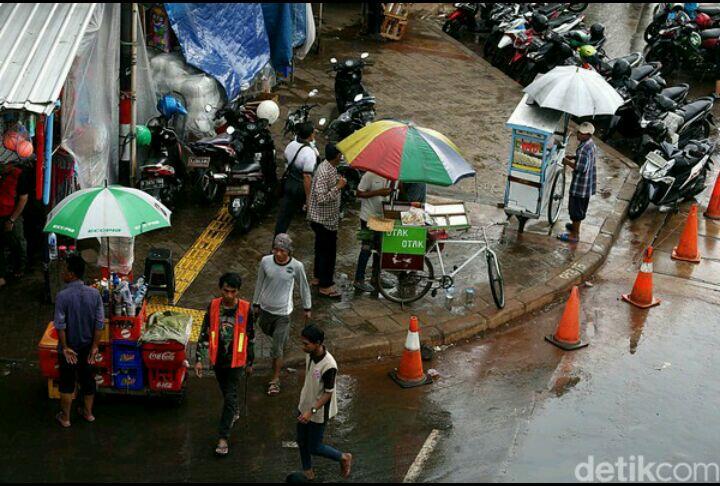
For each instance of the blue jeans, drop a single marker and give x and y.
(309, 440)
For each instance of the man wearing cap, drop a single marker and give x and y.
(273, 299)
(324, 216)
(584, 181)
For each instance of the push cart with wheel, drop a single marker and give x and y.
(535, 185)
(407, 272)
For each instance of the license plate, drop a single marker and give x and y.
(238, 190)
(152, 184)
(199, 162)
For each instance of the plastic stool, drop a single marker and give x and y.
(160, 273)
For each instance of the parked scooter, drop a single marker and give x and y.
(462, 19)
(300, 116)
(358, 114)
(162, 177)
(670, 175)
(348, 80)
(676, 124)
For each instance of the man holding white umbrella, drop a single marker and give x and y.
(584, 181)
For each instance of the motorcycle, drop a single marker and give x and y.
(683, 47)
(664, 17)
(641, 103)
(300, 115)
(670, 175)
(163, 177)
(358, 114)
(348, 80)
(677, 125)
(462, 19)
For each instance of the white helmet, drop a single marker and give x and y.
(268, 110)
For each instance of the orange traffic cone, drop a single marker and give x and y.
(687, 249)
(410, 373)
(713, 209)
(567, 334)
(642, 292)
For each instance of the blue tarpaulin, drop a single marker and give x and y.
(279, 28)
(226, 40)
(299, 18)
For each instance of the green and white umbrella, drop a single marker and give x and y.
(102, 212)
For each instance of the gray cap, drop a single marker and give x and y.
(283, 242)
(586, 128)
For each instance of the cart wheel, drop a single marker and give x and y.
(407, 286)
(497, 284)
(557, 194)
(521, 223)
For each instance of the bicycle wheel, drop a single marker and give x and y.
(403, 287)
(497, 284)
(557, 193)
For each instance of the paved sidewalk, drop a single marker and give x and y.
(438, 83)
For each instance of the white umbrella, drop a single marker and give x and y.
(574, 90)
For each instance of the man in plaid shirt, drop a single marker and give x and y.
(324, 216)
(584, 181)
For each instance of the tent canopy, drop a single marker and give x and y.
(40, 41)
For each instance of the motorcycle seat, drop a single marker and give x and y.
(563, 19)
(675, 92)
(221, 139)
(710, 34)
(247, 169)
(642, 72)
(711, 11)
(692, 109)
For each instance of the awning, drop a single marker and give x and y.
(39, 43)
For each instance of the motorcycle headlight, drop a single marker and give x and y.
(533, 55)
(345, 117)
(695, 39)
(258, 157)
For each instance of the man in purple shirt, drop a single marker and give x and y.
(79, 318)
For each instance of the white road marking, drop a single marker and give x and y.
(427, 449)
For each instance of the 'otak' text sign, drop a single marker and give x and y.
(405, 241)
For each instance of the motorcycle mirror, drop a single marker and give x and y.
(312, 93)
(364, 55)
(322, 122)
(208, 108)
(358, 97)
(333, 60)
(230, 130)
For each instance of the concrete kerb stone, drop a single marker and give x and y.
(355, 349)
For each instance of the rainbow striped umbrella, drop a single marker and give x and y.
(407, 153)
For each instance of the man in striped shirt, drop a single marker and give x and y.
(584, 181)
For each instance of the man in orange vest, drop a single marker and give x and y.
(226, 340)
(14, 189)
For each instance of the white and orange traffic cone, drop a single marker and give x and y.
(642, 292)
(687, 249)
(410, 373)
(567, 335)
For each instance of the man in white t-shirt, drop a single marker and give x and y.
(302, 157)
(371, 191)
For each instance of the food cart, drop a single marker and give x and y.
(536, 176)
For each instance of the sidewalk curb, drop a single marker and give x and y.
(532, 300)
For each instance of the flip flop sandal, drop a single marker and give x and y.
(333, 295)
(567, 238)
(345, 471)
(222, 451)
(64, 424)
(87, 418)
(273, 389)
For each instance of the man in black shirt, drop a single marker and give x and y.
(14, 190)
(226, 340)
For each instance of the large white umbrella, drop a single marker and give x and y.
(575, 90)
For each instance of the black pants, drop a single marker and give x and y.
(14, 240)
(325, 254)
(292, 202)
(81, 373)
(365, 251)
(229, 381)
